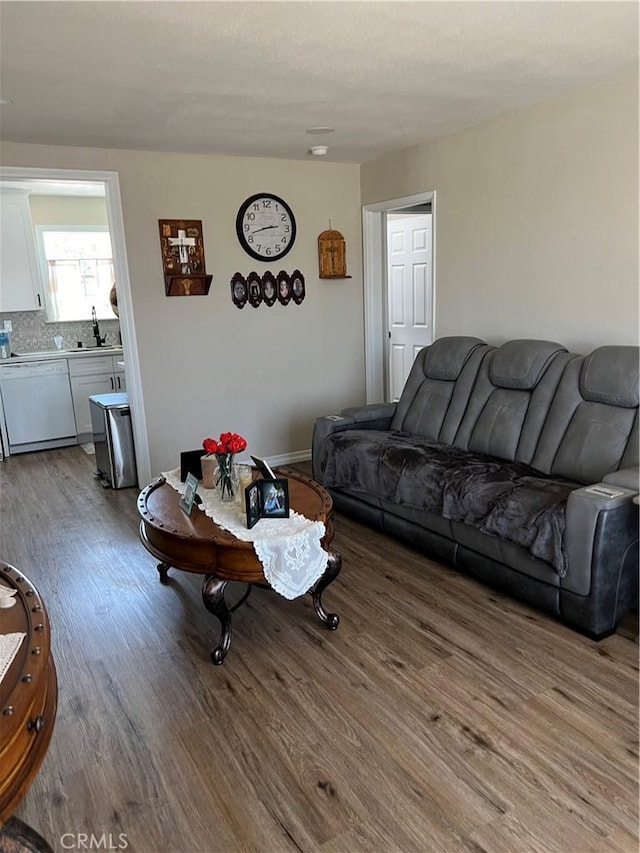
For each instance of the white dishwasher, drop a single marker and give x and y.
(37, 403)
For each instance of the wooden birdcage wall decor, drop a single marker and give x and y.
(183, 261)
(332, 255)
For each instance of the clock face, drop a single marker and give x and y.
(266, 227)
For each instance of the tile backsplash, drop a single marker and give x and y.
(32, 333)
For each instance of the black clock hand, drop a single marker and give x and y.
(265, 228)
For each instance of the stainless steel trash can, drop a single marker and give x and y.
(113, 440)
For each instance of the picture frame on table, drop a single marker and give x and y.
(274, 498)
(264, 468)
(252, 504)
(189, 496)
(191, 463)
(266, 499)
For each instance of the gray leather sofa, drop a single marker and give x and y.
(517, 464)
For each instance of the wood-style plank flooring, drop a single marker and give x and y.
(440, 716)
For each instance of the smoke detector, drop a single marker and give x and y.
(319, 150)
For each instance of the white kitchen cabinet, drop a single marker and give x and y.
(91, 375)
(19, 273)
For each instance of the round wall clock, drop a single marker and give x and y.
(266, 227)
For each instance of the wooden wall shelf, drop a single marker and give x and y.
(332, 255)
(187, 285)
(183, 264)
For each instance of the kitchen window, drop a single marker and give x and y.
(77, 267)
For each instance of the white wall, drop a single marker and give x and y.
(536, 227)
(207, 366)
(536, 235)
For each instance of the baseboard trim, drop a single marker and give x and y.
(288, 458)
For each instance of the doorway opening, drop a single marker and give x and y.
(399, 289)
(72, 182)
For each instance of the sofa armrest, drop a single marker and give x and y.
(378, 414)
(627, 477)
(601, 525)
(374, 416)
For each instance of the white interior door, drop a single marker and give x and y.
(409, 294)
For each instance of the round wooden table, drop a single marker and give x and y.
(197, 544)
(28, 704)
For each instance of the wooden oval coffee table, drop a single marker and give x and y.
(197, 544)
(28, 704)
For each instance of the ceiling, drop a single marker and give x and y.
(249, 78)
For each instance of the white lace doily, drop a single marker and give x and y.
(9, 645)
(289, 548)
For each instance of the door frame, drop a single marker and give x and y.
(374, 242)
(125, 303)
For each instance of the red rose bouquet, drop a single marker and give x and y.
(224, 449)
(229, 442)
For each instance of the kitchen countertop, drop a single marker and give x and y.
(49, 355)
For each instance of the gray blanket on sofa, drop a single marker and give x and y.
(505, 499)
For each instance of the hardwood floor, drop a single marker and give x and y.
(440, 716)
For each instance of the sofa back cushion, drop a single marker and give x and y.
(435, 395)
(592, 426)
(511, 398)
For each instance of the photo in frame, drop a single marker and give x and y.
(187, 500)
(239, 292)
(284, 287)
(269, 289)
(266, 499)
(252, 504)
(254, 287)
(298, 291)
(274, 498)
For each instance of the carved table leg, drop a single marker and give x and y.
(213, 598)
(334, 564)
(163, 569)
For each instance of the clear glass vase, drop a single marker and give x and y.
(227, 480)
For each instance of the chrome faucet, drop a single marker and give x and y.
(96, 328)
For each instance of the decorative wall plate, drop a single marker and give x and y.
(284, 287)
(239, 290)
(298, 291)
(254, 287)
(269, 289)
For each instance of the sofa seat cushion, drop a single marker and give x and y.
(506, 499)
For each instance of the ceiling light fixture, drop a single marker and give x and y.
(319, 130)
(319, 150)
